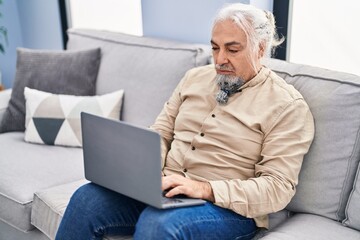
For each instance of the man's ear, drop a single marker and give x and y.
(261, 49)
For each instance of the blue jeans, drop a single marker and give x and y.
(94, 212)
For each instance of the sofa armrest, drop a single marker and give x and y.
(4, 101)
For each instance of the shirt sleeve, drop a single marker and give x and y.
(276, 175)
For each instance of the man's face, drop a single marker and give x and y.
(230, 50)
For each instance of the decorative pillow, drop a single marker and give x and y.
(60, 72)
(55, 119)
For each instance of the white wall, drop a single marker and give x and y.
(184, 20)
(263, 4)
(113, 15)
(326, 33)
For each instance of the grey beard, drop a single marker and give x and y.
(228, 86)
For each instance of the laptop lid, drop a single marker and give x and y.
(123, 158)
(126, 159)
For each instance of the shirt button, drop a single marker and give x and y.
(185, 170)
(202, 134)
(213, 115)
(193, 148)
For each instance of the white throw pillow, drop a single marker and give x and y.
(54, 119)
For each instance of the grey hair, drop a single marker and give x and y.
(258, 25)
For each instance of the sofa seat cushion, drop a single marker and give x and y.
(50, 204)
(8, 232)
(28, 168)
(311, 227)
(49, 207)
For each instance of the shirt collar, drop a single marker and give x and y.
(260, 77)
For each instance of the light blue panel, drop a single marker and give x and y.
(184, 20)
(31, 24)
(40, 23)
(10, 20)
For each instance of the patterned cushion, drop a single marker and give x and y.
(55, 119)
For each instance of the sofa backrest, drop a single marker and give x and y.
(136, 64)
(329, 169)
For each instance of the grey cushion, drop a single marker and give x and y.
(329, 169)
(7, 232)
(23, 174)
(50, 204)
(311, 227)
(4, 101)
(275, 219)
(353, 208)
(60, 72)
(49, 208)
(147, 69)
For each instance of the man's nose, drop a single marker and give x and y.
(221, 58)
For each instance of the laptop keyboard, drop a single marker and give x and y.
(166, 200)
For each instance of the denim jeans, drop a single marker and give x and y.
(94, 212)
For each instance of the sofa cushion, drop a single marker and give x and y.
(54, 119)
(61, 72)
(50, 205)
(8, 232)
(329, 168)
(4, 101)
(276, 218)
(353, 207)
(147, 69)
(23, 174)
(311, 227)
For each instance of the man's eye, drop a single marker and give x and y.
(233, 51)
(215, 48)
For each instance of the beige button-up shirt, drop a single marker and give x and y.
(250, 150)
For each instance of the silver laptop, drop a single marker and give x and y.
(126, 159)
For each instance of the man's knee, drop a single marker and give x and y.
(156, 224)
(83, 193)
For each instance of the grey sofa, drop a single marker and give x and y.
(36, 181)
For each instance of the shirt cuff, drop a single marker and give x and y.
(221, 193)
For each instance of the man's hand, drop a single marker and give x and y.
(176, 184)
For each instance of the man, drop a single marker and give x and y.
(234, 135)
